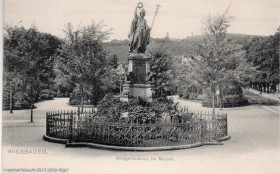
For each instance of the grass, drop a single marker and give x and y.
(257, 99)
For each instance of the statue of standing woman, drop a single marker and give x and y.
(139, 35)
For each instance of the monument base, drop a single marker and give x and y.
(137, 84)
(132, 91)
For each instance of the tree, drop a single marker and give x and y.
(263, 52)
(83, 60)
(63, 85)
(217, 61)
(186, 86)
(28, 60)
(161, 71)
(110, 80)
(113, 61)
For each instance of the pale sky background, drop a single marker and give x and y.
(180, 18)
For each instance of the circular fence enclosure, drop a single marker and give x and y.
(188, 130)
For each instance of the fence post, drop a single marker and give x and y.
(71, 126)
(60, 122)
(47, 125)
(226, 125)
(56, 125)
(78, 111)
(64, 125)
(201, 127)
(215, 125)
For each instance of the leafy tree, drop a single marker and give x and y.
(217, 61)
(263, 52)
(28, 60)
(63, 85)
(113, 61)
(161, 71)
(110, 80)
(186, 86)
(83, 60)
(113, 77)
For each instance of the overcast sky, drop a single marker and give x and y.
(180, 18)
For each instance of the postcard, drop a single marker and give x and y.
(140, 87)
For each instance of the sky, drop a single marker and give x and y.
(178, 18)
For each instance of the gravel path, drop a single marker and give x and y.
(253, 148)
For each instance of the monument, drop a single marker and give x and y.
(139, 61)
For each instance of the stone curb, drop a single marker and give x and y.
(225, 138)
(101, 146)
(107, 147)
(55, 140)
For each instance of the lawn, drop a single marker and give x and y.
(257, 99)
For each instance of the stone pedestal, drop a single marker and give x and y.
(138, 66)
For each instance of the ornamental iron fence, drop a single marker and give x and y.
(185, 128)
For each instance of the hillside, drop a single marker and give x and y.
(176, 47)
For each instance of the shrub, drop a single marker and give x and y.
(190, 91)
(74, 102)
(75, 98)
(200, 97)
(46, 94)
(193, 96)
(59, 93)
(232, 95)
(139, 111)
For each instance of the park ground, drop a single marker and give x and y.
(252, 149)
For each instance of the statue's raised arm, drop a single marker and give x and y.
(139, 35)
